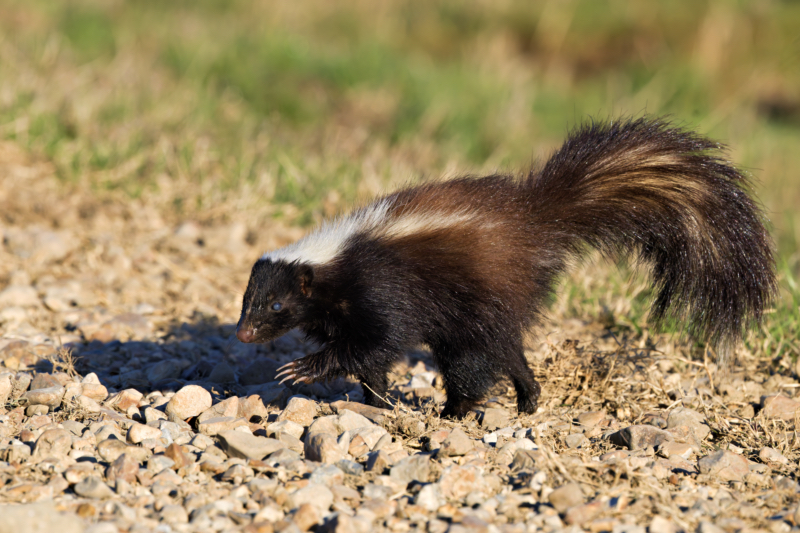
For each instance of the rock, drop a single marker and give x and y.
(314, 494)
(93, 487)
(494, 418)
(708, 527)
(725, 465)
(566, 496)
(378, 416)
(190, 401)
(124, 400)
(228, 407)
(506, 454)
(350, 467)
(458, 481)
(178, 455)
(299, 410)
(215, 426)
(371, 435)
(575, 440)
(640, 437)
(6, 386)
(123, 468)
(164, 370)
(306, 516)
(222, 373)
(779, 407)
(139, 432)
(676, 449)
(525, 460)
(110, 449)
(683, 416)
(580, 514)
(349, 420)
(323, 447)
(591, 419)
(771, 455)
(328, 475)
(252, 406)
(20, 296)
(378, 461)
(414, 468)
(429, 497)
(174, 514)
(50, 396)
(38, 518)
(261, 371)
(659, 524)
(285, 426)
(245, 446)
(456, 444)
(52, 443)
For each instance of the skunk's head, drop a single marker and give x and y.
(276, 300)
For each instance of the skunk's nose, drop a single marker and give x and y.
(245, 334)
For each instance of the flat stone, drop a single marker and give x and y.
(779, 407)
(38, 518)
(323, 447)
(566, 496)
(261, 371)
(307, 516)
(494, 418)
(771, 455)
(725, 465)
(456, 444)
(285, 426)
(659, 524)
(123, 468)
(458, 481)
(215, 426)
(377, 415)
(430, 497)
(6, 386)
(378, 461)
(591, 419)
(52, 443)
(20, 296)
(50, 396)
(580, 514)
(349, 420)
(252, 406)
(328, 475)
(576, 440)
(125, 399)
(139, 432)
(190, 401)
(222, 373)
(640, 437)
(228, 407)
(174, 514)
(93, 487)
(110, 449)
(683, 416)
(414, 468)
(245, 446)
(299, 410)
(676, 449)
(314, 494)
(178, 455)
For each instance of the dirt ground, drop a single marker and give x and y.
(101, 296)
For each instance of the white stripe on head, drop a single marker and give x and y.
(324, 244)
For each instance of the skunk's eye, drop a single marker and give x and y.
(276, 306)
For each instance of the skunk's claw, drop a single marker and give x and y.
(294, 370)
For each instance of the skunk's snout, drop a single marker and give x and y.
(245, 334)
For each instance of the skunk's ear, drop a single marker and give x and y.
(305, 275)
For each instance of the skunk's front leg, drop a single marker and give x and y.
(319, 366)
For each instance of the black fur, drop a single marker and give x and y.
(470, 291)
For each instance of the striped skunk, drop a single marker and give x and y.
(466, 266)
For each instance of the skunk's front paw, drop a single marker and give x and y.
(299, 370)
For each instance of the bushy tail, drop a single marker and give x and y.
(665, 195)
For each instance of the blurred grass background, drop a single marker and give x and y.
(218, 109)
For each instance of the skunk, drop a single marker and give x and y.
(466, 266)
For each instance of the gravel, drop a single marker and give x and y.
(127, 404)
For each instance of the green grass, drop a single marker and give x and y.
(297, 109)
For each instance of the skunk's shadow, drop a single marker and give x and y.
(203, 352)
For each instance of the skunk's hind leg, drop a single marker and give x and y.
(528, 389)
(468, 375)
